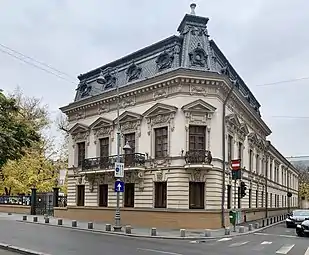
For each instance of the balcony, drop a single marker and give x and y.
(197, 157)
(130, 160)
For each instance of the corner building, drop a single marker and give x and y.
(171, 96)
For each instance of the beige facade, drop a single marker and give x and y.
(167, 163)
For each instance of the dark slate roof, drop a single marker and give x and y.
(191, 49)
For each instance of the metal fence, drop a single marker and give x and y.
(15, 200)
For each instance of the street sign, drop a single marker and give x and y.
(235, 163)
(119, 170)
(119, 186)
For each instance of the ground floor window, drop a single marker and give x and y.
(229, 196)
(250, 197)
(160, 194)
(196, 195)
(80, 200)
(256, 198)
(103, 195)
(239, 197)
(129, 195)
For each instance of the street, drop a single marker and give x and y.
(58, 241)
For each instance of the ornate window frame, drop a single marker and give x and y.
(130, 122)
(160, 115)
(102, 128)
(198, 113)
(79, 133)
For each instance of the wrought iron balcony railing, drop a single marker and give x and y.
(129, 160)
(198, 157)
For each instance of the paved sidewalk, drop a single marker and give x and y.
(143, 232)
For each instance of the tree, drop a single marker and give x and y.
(303, 181)
(32, 170)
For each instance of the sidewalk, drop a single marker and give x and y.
(100, 227)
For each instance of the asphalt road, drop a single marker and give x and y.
(274, 240)
(7, 253)
(59, 241)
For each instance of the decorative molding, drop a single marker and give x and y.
(102, 127)
(157, 163)
(133, 72)
(165, 60)
(130, 122)
(127, 102)
(199, 90)
(235, 127)
(80, 115)
(198, 57)
(103, 108)
(84, 89)
(110, 79)
(130, 176)
(159, 176)
(80, 133)
(160, 93)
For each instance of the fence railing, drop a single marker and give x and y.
(15, 200)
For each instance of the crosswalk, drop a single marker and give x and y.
(288, 247)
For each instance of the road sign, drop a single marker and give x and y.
(119, 186)
(235, 163)
(119, 170)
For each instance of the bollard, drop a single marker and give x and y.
(241, 229)
(108, 227)
(227, 231)
(9, 213)
(250, 227)
(35, 219)
(153, 232)
(90, 225)
(60, 222)
(256, 225)
(182, 232)
(74, 223)
(46, 220)
(267, 222)
(24, 217)
(263, 223)
(128, 229)
(207, 233)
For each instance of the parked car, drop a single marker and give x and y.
(303, 228)
(296, 217)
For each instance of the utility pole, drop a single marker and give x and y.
(235, 197)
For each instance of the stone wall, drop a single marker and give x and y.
(15, 209)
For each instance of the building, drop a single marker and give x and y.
(171, 97)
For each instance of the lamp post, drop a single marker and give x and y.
(102, 80)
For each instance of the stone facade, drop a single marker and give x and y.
(170, 110)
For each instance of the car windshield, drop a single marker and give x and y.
(301, 213)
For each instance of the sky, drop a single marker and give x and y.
(265, 41)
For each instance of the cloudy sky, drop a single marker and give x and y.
(266, 41)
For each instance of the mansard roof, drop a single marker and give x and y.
(191, 49)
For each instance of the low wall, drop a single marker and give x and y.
(188, 219)
(15, 209)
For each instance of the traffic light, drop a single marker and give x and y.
(243, 188)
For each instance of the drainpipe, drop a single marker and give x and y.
(223, 152)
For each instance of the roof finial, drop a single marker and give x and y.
(192, 6)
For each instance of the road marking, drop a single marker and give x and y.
(266, 242)
(224, 239)
(238, 244)
(266, 234)
(194, 241)
(157, 251)
(285, 249)
(307, 251)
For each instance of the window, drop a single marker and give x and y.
(129, 195)
(160, 194)
(250, 197)
(262, 196)
(250, 160)
(229, 148)
(275, 200)
(229, 196)
(81, 152)
(240, 148)
(103, 195)
(196, 195)
(257, 163)
(197, 138)
(271, 170)
(256, 198)
(161, 142)
(80, 195)
(271, 200)
(130, 138)
(104, 147)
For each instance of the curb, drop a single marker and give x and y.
(102, 232)
(9, 247)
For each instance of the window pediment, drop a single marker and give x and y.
(101, 122)
(234, 120)
(128, 116)
(159, 109)
(78, 128)
(244, 129)
(253, 139)
(199, 106)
